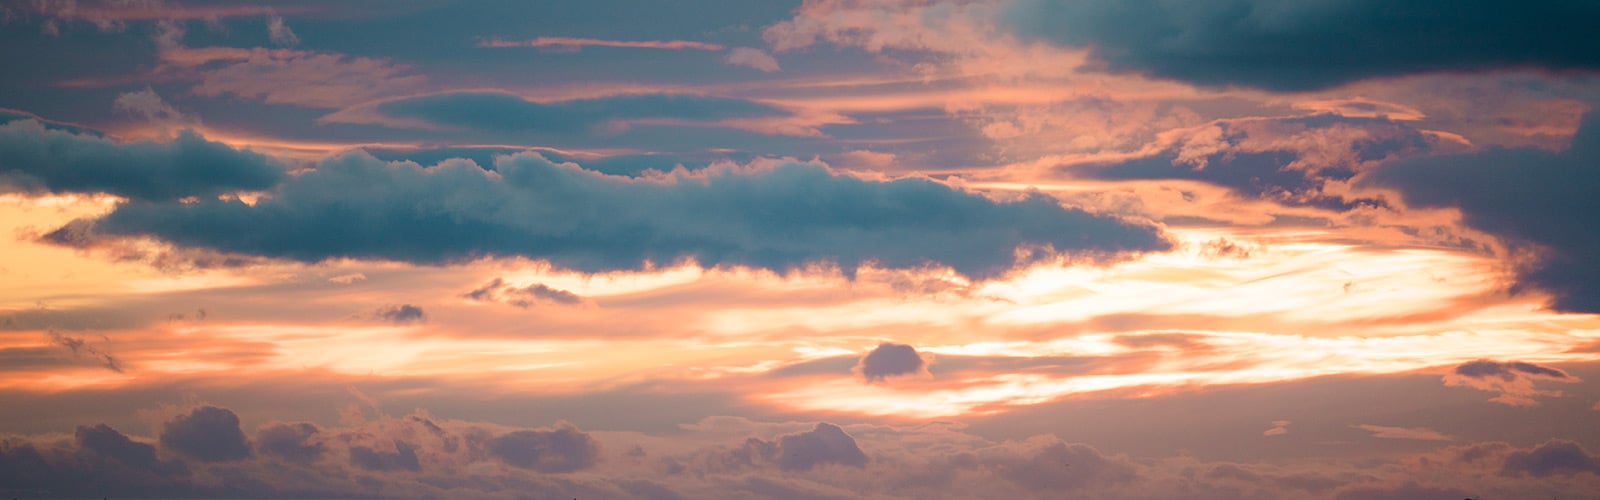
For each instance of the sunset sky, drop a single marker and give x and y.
(1120, 249)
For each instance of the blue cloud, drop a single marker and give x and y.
(1279, 45)
(36, 158)
(778, 218)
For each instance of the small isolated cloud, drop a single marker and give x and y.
(1279, 428)
(279, 33)
(1555, 457)
(561, 449)
(207, 434)
(575, 44)
(1514, 380)
(345, 279)
(1416, 433)
(751, 58)
(150, 106)
(497, 290)
(891, 360)
(401, 314)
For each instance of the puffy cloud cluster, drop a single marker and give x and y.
(497, 290)
(778, 217)
(35, 158)
(890, 359)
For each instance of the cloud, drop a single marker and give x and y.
(297, 442)
(561, 449)
(207, 434)
(569, 43)
(1537, 201)
(824, 444)
(778, 217)
(1514, 380)
(1297, 161)
(293, 77)
(889, 360)
(345, 279)
(1311, 45)
(1551, 458)
(1415, 433)
(34, 158)
(497, 290)
(81, 347)
(494, 111)
(1045, 464)
(404, 457)
(105, 441)
(752, 58)
(401, 314)
(1279, 428)
(280, 33)
(149, 105)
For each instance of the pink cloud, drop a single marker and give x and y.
(571, 43)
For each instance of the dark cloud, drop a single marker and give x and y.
(105, 441)
(890, 359)
(207, 434)
(1536, 200)
(401, 314)
(404, 457)
(1051, 465)
(1514, 380)
(297, 442)
(496, 290)
(1550, 458)
(1408, 491)
(562, 449)
(1506, 371)
(81, 348)
(505, 112)
(1310, 45)
(778, 218)
(824, 444)
(35, 158)
(1289, 161)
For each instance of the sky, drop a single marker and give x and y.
(1116, 249)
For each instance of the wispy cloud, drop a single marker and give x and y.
(571, 43)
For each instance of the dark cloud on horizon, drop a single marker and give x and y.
(1294, 46)
(1551, 458)
(207, 434)
(779, 218)
(35, 158)
(1514, 380)
(823, 444)
(561, 449)
(889, 360)
(403, 457)
(294, 442)
(495, 111)
(1537, 201)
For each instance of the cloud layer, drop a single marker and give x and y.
(781, 217)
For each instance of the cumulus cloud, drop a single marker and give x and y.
(296, 442)
(207, 434)
(35, 158)
(1310, 45)
(401, 314)
(824, 444)
(494, 111)
(561, 449)
(889, 360)
(402, 456)
(1538, 201)
(1551, 458)
(751, 58)
(150, 106)
(1514, 380)
(779, 217)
